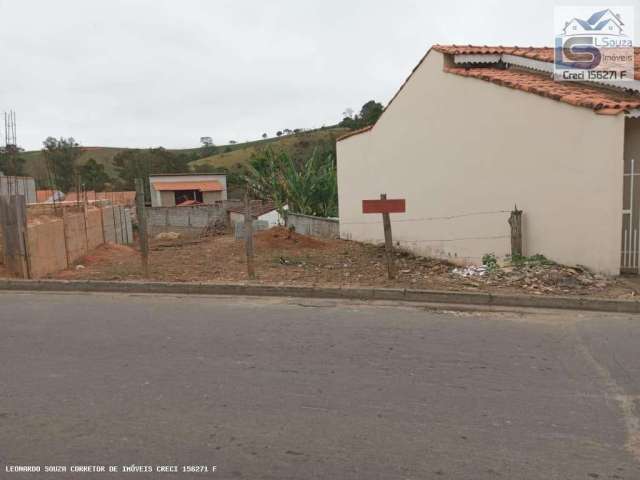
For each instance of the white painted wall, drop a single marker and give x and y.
(453, 145)
(273, 218)
(156, 199)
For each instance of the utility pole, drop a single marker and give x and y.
(142, 226)
(248, 236)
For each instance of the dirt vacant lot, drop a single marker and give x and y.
(284, 257)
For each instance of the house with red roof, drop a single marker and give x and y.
(474, 131)
(187, 189)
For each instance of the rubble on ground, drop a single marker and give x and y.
(167, 236)
(471, 271)
(538, 275)
(218, 227)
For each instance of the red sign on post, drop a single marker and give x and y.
(393, 205)
(385, 207)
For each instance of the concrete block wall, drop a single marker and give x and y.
(19, 185)
(108, 225)
(238, 228)
(117, 225)
(314, 226)
(188, 221)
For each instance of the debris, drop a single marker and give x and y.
(167, 236)
(471, 271)
(215, 227)
(80, 267)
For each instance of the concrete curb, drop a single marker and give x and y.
(363, 293)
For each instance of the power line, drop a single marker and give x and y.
(495, 237)
(428, 219)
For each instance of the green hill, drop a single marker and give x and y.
(34, 160)
(298, 144)
(228, 156)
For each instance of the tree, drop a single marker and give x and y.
(232, 142)
(369, 114)
(279, 133)
(94, 176)
(308, 186)
(132, 164)
(264, 135)
(208, 148)
(60, 157)
(11, 162)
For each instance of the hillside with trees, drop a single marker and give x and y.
(63, 163)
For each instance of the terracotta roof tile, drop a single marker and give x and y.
(603, 101)
(544, 54)
(203, 186)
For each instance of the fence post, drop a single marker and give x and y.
(66, 236)
(388, 241)
(515, 221)
(104, 235)
(142, 225)
(86, 232)
(248, 236)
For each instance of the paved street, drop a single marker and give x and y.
(315, 389)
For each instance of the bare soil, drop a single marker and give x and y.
(284, 257)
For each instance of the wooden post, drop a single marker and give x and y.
(515, 221)
(86, 232)
(13, 215)
(248, 236)
(142, 226)
(65, 223)
(388, 241)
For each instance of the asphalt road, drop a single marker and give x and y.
(294, 389)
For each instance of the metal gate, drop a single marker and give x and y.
(629, 258)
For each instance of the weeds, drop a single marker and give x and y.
(490, 261)
(533, 260)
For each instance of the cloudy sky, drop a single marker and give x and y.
(143, 73)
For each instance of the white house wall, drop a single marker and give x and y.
(456, 146)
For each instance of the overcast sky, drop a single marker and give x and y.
(143, 73)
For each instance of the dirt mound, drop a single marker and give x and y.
(281, 237)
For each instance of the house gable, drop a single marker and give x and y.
(453, 145)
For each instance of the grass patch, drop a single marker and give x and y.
(534, 260)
